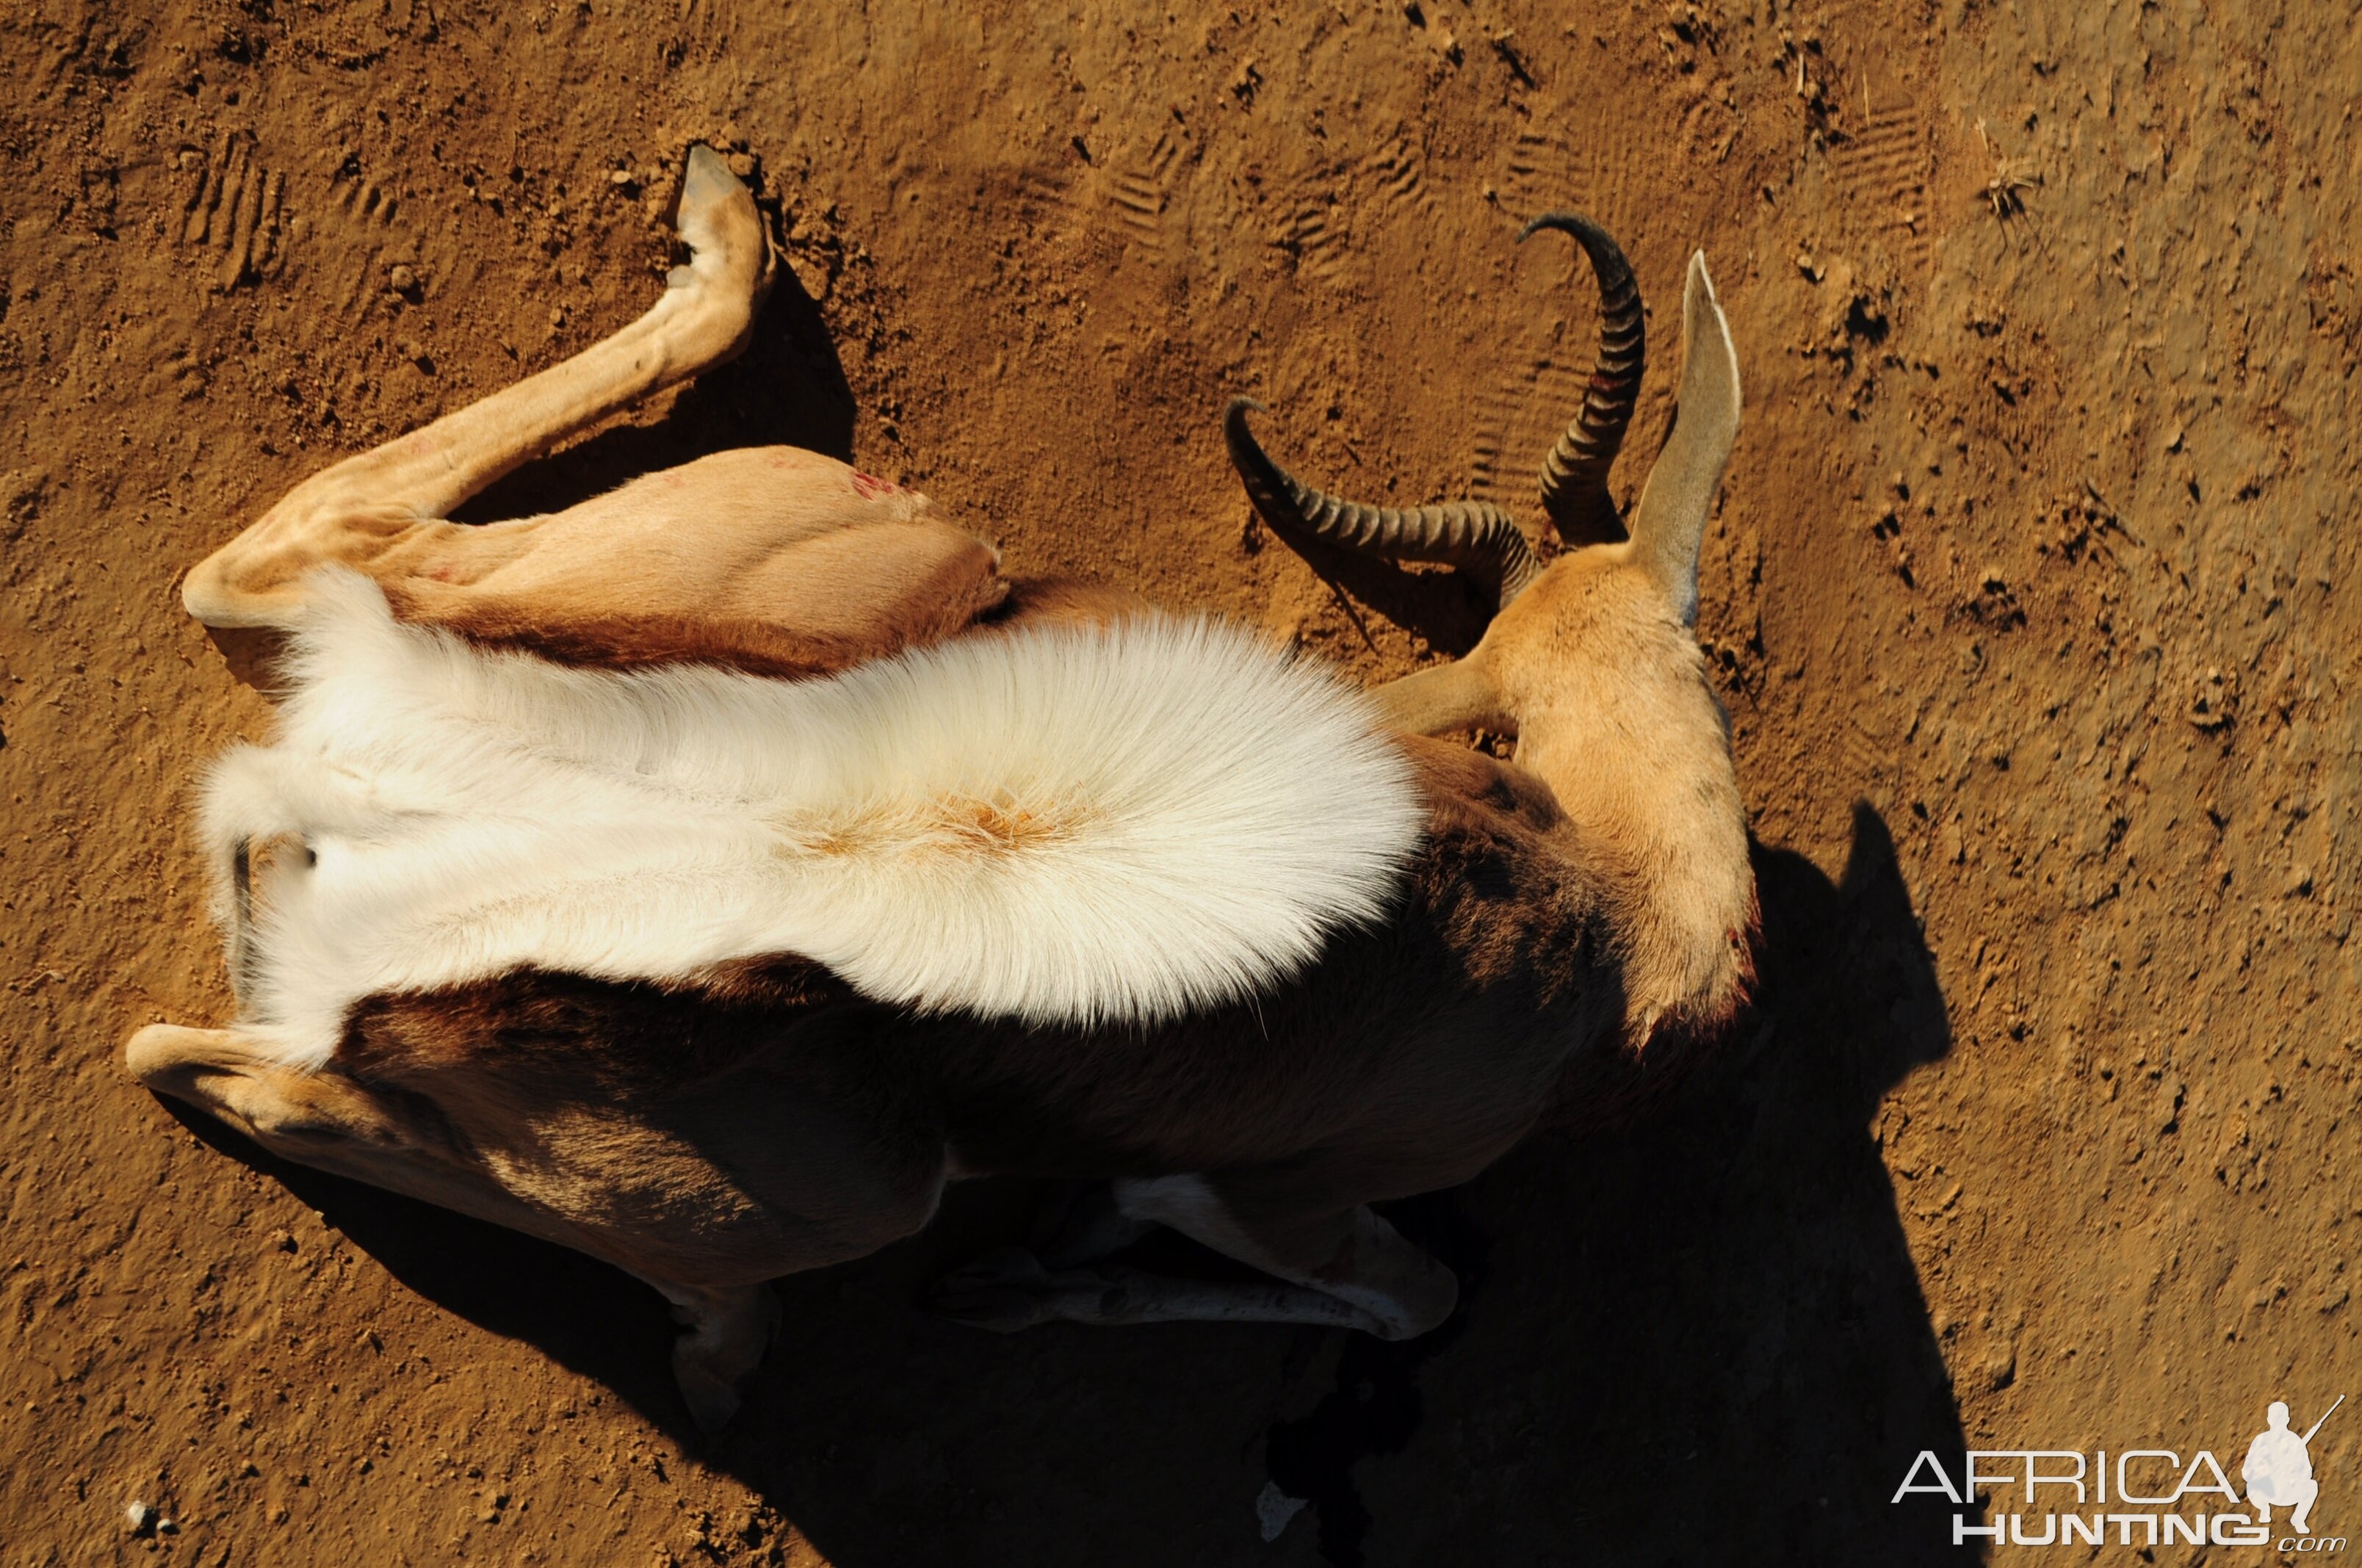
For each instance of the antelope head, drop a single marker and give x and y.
(1592, 660)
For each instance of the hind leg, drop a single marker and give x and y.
(388, 501)
(772, 559)
(761, 1170)
(769, 558)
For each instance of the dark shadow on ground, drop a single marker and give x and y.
(581, 1313)
(1448, 609)
(788, 389)
(1700, 1339)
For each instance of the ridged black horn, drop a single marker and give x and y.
(1472, 535)
(1575, 475)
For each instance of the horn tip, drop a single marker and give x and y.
(1562, 220)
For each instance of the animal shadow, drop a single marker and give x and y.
(1448, 610)
(1697, 1338)
(1701, 1337)
(787, 388)
(576, 1310)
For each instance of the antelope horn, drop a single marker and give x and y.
(1575, 475)
(1472, 535)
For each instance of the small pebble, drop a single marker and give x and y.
(402, 279)
(619, 177)
(140, 1517)
(743, 165)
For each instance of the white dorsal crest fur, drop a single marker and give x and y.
(1670, 520)
(1063, 826)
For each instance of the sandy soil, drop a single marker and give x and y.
(2027, 594)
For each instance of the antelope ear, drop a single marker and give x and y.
(1671, 519)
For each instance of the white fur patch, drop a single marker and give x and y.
(1059, 825)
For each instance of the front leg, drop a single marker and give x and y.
(724, 1332)
(1340, 1267)
(371, 508)
(1012, 1290)
(1444, 698)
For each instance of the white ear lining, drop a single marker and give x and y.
(1670, 521)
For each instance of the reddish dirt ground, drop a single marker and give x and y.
(2027, 595)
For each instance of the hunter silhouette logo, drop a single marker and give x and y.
(2278, 1472)
(2138, 1497)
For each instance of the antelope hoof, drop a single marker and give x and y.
(728, 251)
(722, 1344)
(1003, 1291)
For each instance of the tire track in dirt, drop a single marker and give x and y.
(367, 215)
(1548, 173)
(1526, 400)
(1385, 185)
(1397, 173)
(231, 211)
(1137, 191)
(1039, 195)
(1315, 232)
(1885, 168)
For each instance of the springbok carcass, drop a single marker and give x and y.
(703, 876)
